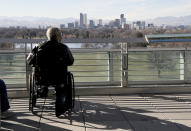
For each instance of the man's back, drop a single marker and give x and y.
(51, 62)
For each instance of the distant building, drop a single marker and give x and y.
(76, 24)
(92, 24)
(83, 20)
(70, 25)
(182, 27)
(111, 24)
(163, 26)
(100, 22)
(18, 27)
(122, 16)
(150, 25)
(127, 26)
(143, 25)
(117, 23)
(62, 26)
(139, 25)
(11, 27)
(107, 26)
(122, 20)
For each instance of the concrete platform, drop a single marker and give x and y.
(144, 112)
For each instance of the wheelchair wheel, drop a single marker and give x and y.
(32, 93)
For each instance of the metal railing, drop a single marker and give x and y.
(105, 66)
(91, 66)
(159, 66)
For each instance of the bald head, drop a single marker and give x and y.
(54, 33)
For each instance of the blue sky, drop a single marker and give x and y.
(104, 9)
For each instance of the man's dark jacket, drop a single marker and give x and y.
(50, 60)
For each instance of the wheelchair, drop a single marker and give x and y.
(35, 85)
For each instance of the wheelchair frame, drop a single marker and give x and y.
(33, 90)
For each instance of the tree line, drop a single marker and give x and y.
(34, 33)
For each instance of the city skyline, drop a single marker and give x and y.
(99, 9)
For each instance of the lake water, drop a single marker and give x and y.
(70, 45)
(74, 45)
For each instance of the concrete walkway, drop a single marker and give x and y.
(152, 112)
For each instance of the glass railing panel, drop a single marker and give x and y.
(13, 67)
(90, 66)
(97, 66)
(117, 66)
(155, 65)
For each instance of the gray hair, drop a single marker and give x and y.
(53, 32)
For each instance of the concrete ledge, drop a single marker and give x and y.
(131, 90)
(115, 90)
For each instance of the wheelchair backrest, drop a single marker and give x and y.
(50, 64)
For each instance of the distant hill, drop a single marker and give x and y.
(29, 21)
(170, 20)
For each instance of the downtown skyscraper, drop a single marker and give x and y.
(83, 20)
(122, 19)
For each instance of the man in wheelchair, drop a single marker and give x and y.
(49, 60)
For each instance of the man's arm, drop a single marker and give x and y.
(32, 56)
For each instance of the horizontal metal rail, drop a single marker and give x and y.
(147, 70)
(93, 71)
(77, 40)
(151, 75)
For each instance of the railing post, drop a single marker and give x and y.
(27, 67)
(110, 53)
(185, 65)
(124, 55)
(182, 65)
